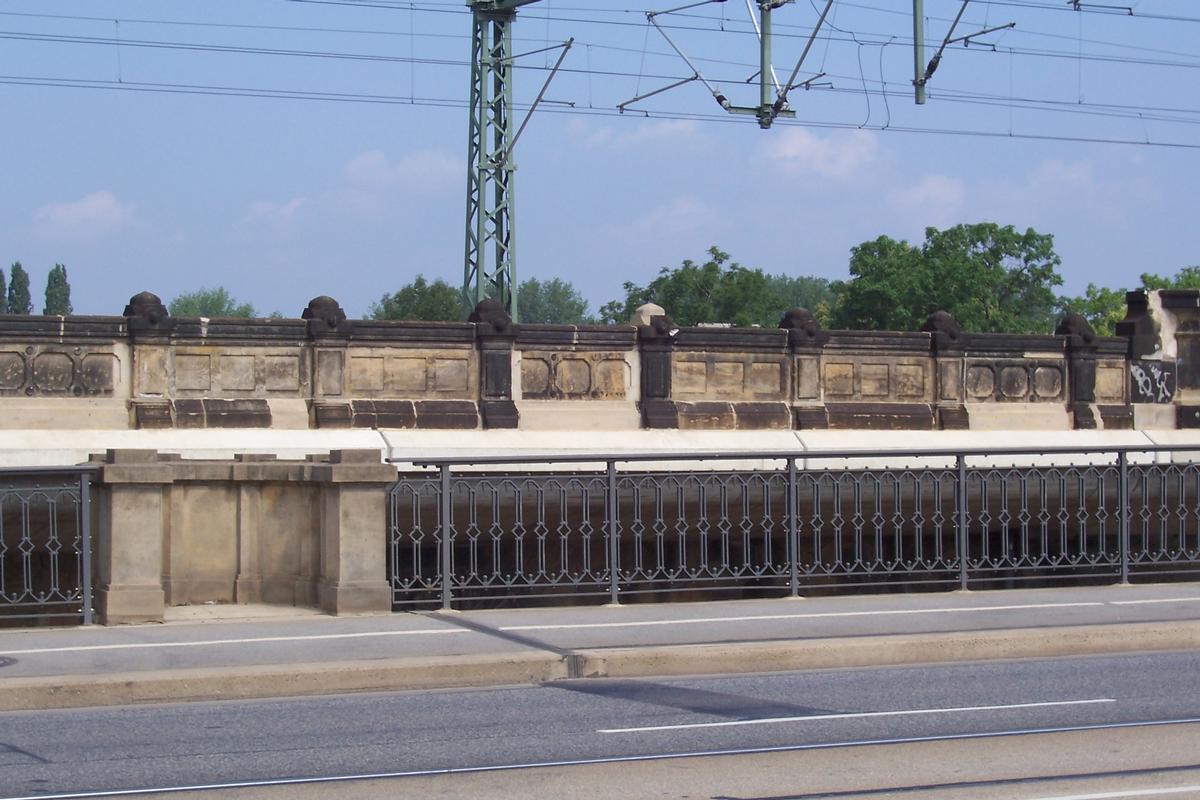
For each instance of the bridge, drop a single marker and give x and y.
(356, 465)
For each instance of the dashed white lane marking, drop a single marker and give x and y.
(210, 642)
(768, 617)
(910, 712)
(649, 757)
(1126, 793)
(1157, 600)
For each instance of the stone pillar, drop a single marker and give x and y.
(129, 537)
(656, 344)
(805, 340)
(947, 343)
(354, 532)
(495, 334)
(1081, 367)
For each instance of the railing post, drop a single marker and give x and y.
(793, 531)
(85, 535)
(1123, 514)
(446, 531)
(610, 522)
(963, 529)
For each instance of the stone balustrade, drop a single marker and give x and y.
(149, 370)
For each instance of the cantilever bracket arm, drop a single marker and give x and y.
(951, 39)
(566, 47)
(696, 76)
(781, 99)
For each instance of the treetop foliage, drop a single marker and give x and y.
(58, 292)
(551, 302)
(19, 301)
(992, 279)
(720, 291)
(420, 300)
(206, 302)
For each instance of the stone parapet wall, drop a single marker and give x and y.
(148, 370)
(252, 530)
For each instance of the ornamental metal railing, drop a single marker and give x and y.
(45, 546)
(703, 525)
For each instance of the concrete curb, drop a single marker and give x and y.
(278, 680)
(295, 680)
(897, 650)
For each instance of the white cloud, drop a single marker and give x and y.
(280, 213)
(420, 169)
(936, 199)
(94, 215)
(839, 155)
(678, 133)
(681, 215)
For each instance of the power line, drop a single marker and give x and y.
(447, 102)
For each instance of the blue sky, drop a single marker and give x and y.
(148, 180)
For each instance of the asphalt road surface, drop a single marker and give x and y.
(999, 729)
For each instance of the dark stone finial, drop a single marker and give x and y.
(147, 306)
(1076, 325)
(491, 314)
(800, 319)
(325, 309)
(944, 323)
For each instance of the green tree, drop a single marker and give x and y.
(1186, 278)
(58, 292)
(802, 291)
(420, 300)
(3, 294)
(19, 301)
(552, 302)
(1102, 307)
(718, 290)
(991, 278)
(205, 302)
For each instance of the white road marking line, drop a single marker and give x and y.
(1125, 793)
(853, 715)
(422, 773)
(825, 615)
(259, 640)
(1147, 602)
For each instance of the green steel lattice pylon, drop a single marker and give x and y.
(490, 197)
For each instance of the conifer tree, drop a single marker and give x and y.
(3, 294)
(18, 291)
(58, 292)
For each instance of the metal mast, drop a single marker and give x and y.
(490, 200)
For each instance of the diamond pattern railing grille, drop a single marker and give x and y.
(810, 523)
(45, 547)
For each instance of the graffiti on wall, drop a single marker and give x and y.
(1152, 381)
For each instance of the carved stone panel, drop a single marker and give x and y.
(874, 378)
(808, 378)
(839, 379)
(574, 375)
(330, 369)
(1047, 383)
(729, 376)
(12, 371)
(910, 381)
(1016, 381)
(213, 371)
(1110, 383)
(981, 382)
(383, 373)
(58, 370)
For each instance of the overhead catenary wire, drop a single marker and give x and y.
(1118, 111)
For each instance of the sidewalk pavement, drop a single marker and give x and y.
(239, 652)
